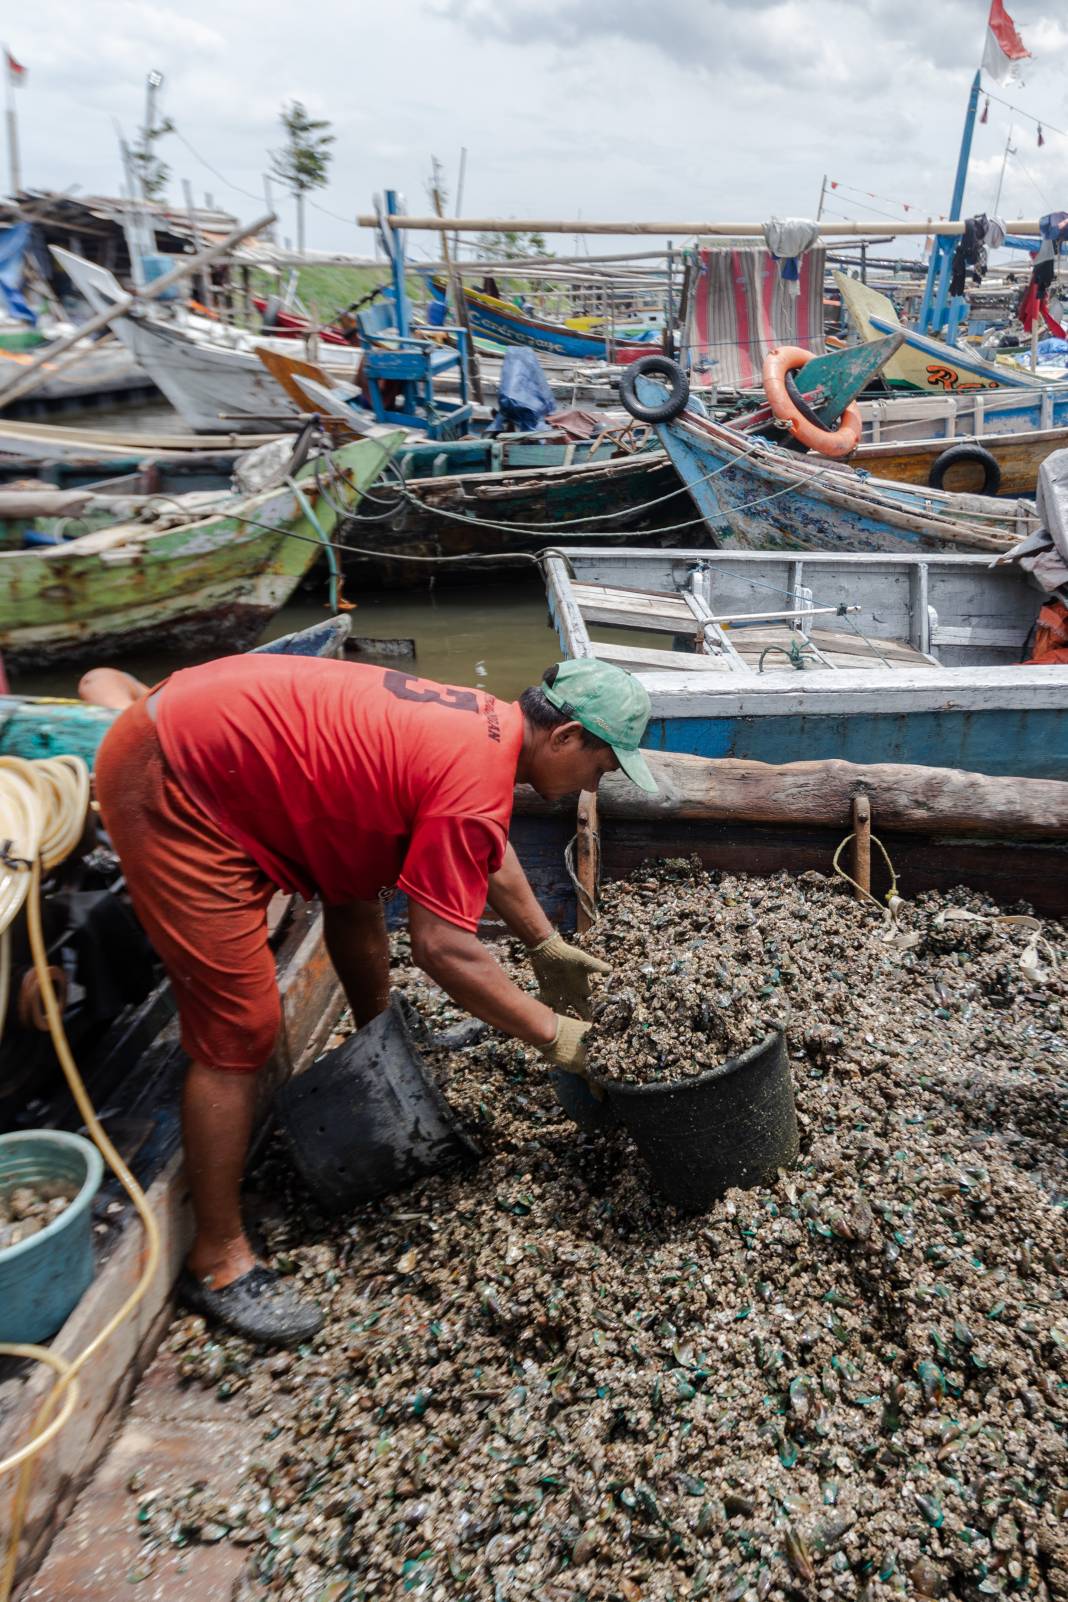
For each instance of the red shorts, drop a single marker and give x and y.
(201, 900)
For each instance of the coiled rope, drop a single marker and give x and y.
(43, 811)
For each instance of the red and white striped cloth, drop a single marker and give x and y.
(740, 309)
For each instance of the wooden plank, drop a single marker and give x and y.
(311, 1000)
(908, 798)
(620, 615)
(568, 620)
(973, 634)
(652, 601)
(587, 859)
(693, 695)
(636, 657)
(851, 649)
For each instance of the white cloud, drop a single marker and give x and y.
(608, 108)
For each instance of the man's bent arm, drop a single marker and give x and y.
(359, 949)
(457, 961)
(515, 903)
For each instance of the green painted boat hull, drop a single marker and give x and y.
(212, 585)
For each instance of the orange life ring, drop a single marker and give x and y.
(838, 441)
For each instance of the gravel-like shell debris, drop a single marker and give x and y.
(539, 1381)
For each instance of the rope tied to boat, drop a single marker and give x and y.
(894, 901)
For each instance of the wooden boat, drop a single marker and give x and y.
(210, 374)
(758, 495)
(490, 494)
(105, 376)
(213, 582)
(913, 659)
(125, 1039)
(924, 362)
(514, 510)
(979, 413)
(76, 458)
(500, 320)
(1018, 458)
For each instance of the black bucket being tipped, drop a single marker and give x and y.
(367, 1119)
(734, 1125)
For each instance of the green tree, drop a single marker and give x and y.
(304, 161)
(151, 173)
(511, 245)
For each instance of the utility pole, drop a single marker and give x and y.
(153, 84)
(270, 204)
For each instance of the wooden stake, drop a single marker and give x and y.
(862, 844)
(587, 856)
(474, 375)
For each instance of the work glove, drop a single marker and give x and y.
(563, 974)
(567, 1048)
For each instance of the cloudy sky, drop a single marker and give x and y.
(651, 109)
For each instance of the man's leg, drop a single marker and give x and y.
(217, 1112)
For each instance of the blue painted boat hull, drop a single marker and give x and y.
(492, 320)
(1025, 742)
(746, 494)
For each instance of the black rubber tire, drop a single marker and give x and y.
(966, 453)
(803, 407)
(655, 367)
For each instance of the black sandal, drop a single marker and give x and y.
(260, 1306)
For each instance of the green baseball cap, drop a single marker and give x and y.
(611, 704)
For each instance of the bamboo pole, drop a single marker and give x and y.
(33, 375)
(732, 230)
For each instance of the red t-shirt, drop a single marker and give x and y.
(346, 780)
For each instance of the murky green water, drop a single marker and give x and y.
(494, 636)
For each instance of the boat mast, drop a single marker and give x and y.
(935, 294)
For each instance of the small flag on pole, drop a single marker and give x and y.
(1004, 49)
(16, 72)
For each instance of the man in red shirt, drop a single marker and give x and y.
(258, 772)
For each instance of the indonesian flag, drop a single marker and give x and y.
(16, 72)
(1004, 49)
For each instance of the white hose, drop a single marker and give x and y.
(43, 808)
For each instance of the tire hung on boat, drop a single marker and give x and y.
(956, 454)
(655, 367)
(791, 408)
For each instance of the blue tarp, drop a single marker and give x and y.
(14, 242)
(524, 399)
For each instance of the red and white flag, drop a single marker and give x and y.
(16, 72)
(1004, 49)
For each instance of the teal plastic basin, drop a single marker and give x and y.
(43, 1278)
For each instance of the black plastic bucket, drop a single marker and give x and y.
(592, 1113)
(734, 1125)
(367, 1119)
